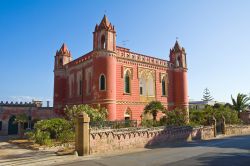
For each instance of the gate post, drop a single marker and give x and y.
(82, 135)
(214, 124)
(223, 125)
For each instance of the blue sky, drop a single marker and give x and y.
(215, 34)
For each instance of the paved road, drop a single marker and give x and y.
(231, 151)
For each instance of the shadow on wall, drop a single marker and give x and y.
(170, 135)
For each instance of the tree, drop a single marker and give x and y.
(153, 108)
(96, 114)
(206, 95)
(20, 120)
(241, 103)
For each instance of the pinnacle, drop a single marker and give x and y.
(105, 20)
(64, 48)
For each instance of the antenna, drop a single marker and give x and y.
(124, 42)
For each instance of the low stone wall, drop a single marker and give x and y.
(245, 117)
(102, 141)
(203, 132)
(237, 129)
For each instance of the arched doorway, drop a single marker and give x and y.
(127, 114)
(12, 127)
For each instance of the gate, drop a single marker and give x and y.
(12, 127)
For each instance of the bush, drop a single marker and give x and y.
(150, 123)
(176, 117)
(40, 137)
(97, 114)
(46, 130)
(203, 117)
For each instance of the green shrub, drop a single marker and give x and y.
(176, 117)
(203, 117)
(46, 130)
(150, 123)
(66, 136)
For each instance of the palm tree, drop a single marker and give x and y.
(241, 103)
(21, 119)
(153, 107)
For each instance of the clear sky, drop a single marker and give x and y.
(215, 34)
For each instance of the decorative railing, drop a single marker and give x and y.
(113, 124)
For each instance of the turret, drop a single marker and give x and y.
(104, 36)
(104, 66)
(62, 57)
(180, 86)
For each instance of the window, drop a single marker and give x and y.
(89, 83)
(127, 82)
(80, 87)
(163, 86)
(103, 42)
(141, 90)
(60, 61)
(102, 82)
(0, 125)
(142, 86)
(151, 86)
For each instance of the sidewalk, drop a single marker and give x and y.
(11, 154)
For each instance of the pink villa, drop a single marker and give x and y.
(119, 79)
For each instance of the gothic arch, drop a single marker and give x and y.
(128, 114)
(103, 42)
(127, 80)
(102, 82)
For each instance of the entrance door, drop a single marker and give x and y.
(12, 127)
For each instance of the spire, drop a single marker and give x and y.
(105, 21)
(177, 46)
(105, 24)
(63, 50)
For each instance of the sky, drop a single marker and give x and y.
(215, 34)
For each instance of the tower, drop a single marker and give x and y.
(62, 57)
(104, 65)
(104, 36)
(180, 86)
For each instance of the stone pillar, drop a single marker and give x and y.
(223, 125)
(82, 135)
(214, 125)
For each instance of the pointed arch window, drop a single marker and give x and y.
(103, 42)
(127, 82)
(102, 82)
(163, 86)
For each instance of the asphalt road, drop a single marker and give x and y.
(231, 151)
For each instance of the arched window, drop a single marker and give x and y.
(60, 61)
(127, 82)
(102, 82)
(163, 86)
(103, 42)
(178, 62)
(142, 87)
(151, 86)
